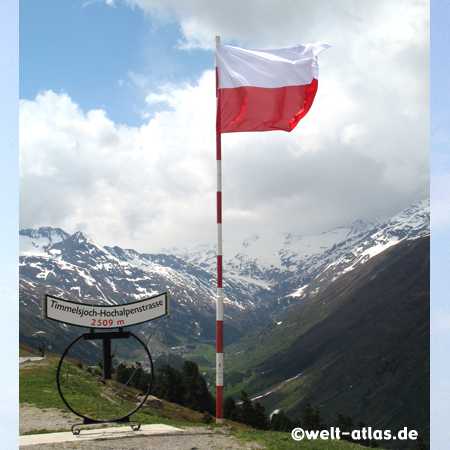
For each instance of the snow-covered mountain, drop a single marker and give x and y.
(75, 267)
(287, 266)
(265, 274)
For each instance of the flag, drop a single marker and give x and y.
(266, 89)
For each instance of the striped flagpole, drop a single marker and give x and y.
(219, 304)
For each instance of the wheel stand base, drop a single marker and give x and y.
(135, 424)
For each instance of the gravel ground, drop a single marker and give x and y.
(32, 419)
(194, 438)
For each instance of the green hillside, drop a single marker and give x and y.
(38, 388)
(360, 347)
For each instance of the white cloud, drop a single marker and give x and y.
(351, 133)
(108, 2)
(138, 79)
(125, 184)
(264, 22)
(362, 151)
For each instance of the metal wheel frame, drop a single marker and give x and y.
(90, 420)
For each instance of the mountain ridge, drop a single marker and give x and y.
(252, 286)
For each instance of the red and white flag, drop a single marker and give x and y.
(267, 89)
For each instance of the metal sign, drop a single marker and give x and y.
(105, 316)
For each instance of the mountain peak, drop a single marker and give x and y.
(40, 240)
(82, 238)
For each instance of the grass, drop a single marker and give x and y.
(274, 440)
(37, 382)
(25, 350)
(207, 351)
(234, 390)
(37, 386)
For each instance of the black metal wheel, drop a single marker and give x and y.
(112, 413)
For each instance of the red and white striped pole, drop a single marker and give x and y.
(219, 304)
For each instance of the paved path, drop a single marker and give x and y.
(102, 433)
(148, 437)
(30, 358)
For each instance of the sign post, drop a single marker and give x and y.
(73, 382)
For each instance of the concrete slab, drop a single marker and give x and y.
(98, 433)
(30, 358)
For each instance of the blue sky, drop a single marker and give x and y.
(102, 56)
(117, 140)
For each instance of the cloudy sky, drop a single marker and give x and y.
(117, 119)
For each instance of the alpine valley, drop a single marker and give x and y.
(339, 320)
